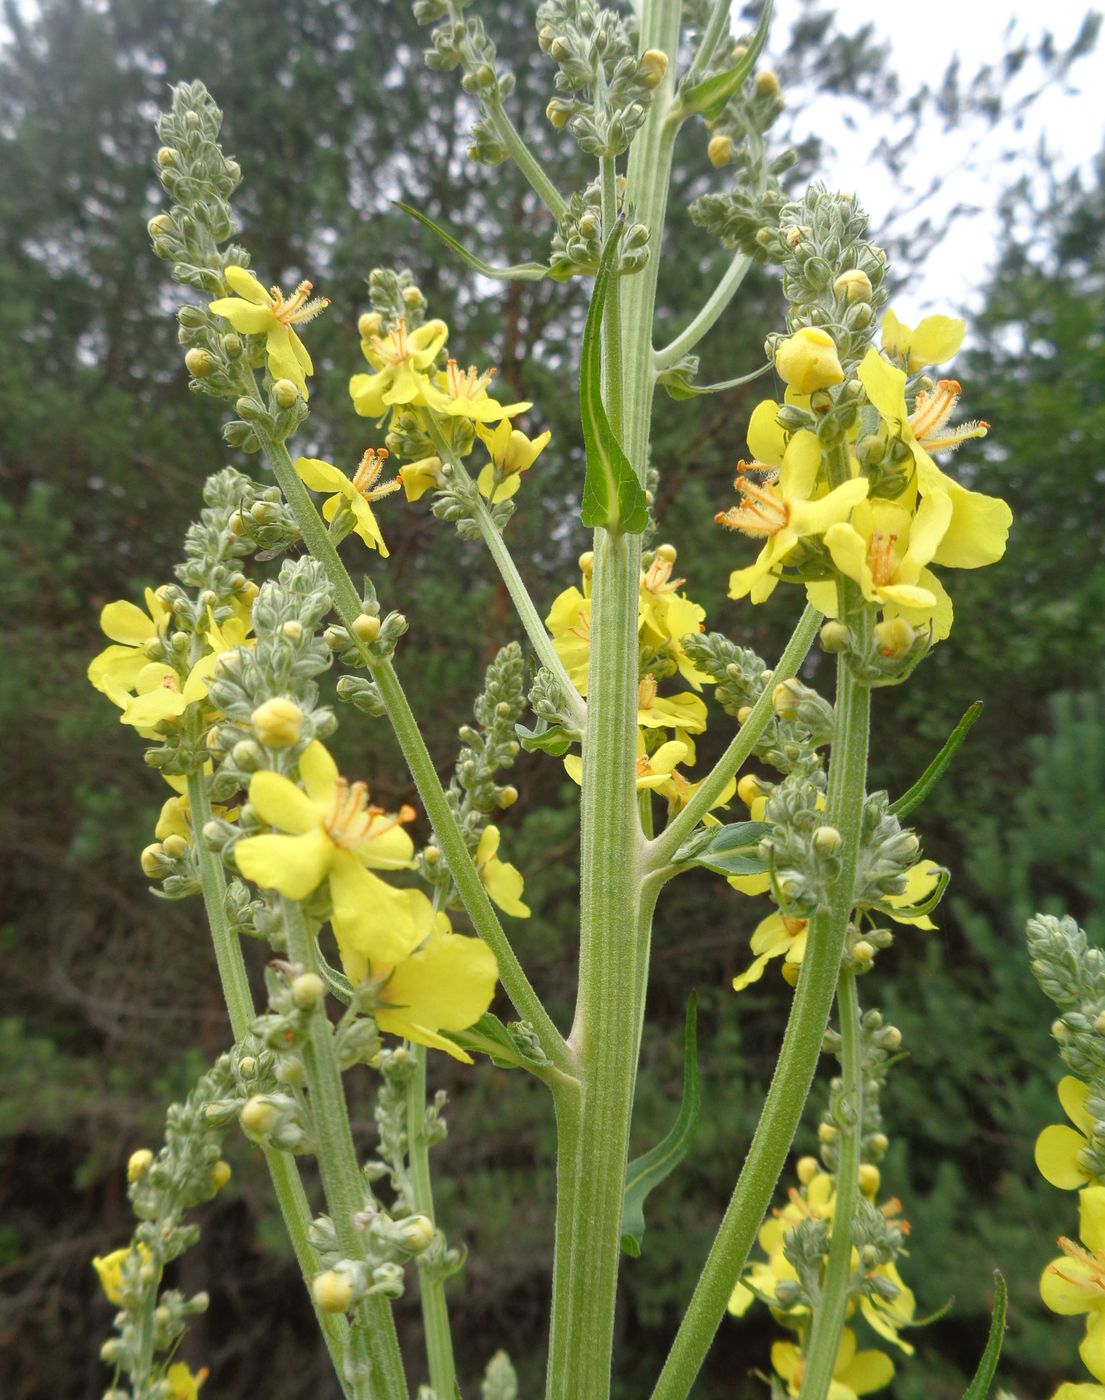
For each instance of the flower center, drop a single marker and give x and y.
(582, 629)
(930, 416)
(882, 557)
(762, 511)
(298, 308)
(468, 384)
(792, 927)
(646, 692)
(367, 474)
(393, 348)
(659, 580)
(351, 819)
(1093, 1281)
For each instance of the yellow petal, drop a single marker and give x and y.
(244, 284)
(868, 1371)
(935, 340)
(1091, 1219)
(1092, 1350)
(294, 865)
(885, 385)
(447, 985)
(319, 773)
(320, 475)
(1057, 1150)
(366, 527)
(1067, 1286)
(367, 393)
(1073, 1094)
(375, 924)
(279, 803)
(126, 623)
(386, 847)
(120, 665)
(766, 440)
(249, 320)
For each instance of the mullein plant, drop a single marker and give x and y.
(384, 950)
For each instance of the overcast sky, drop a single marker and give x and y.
(924, 38)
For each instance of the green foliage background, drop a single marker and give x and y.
(108, 1004)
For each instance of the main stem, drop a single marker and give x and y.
(801, 1048)
(435, 1310)
(593, 1120)
(828, 1318)
(295, 1209)
(374, 1346)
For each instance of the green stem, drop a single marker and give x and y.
(374, 1344)
(612, 312)
(446, 832)
(528, 615)
(707, 317)
(717, 24)
(798, 1058)
(431, 1284)
(291, 1198)
(663, 849)
(527, 163)
(828, 1317)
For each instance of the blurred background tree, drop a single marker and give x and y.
(109, 1007)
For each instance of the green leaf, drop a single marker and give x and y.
(913, 798)
(649, 1170)
(503, 1047)
(612, 495)
(520, 272)
(337, 984)
(730, 850)
(546, 737)
(979, 1387)
(679, 387)
(710, 96)
(915, 911)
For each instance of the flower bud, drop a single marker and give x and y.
(767, 84)
(558, 111)
(835, 637)
(719, 151)
(307, 989)
(806, 1169)
(415, 1234)
(586, 562)
(807, 360)
(652, 66)
(744, 714)
(333, 1292)
(784, 698)
(431, 855)
(853, 285)
(412, 296)
(293, 630)
(508, 796)
(869, 1178)
(370, 325)
(175, 846)
(366, 628)
(749, 789)
(259, 1115)
(285, 393)
(278, 722)
(790, 973)
(139, 1163)
(199, 363)
(878, 1143)
(152, 861)
(232, 344)
(863, 952)
(247, 1066)
(166, 156)
(826, 840)
(159, 225)
(220, 1175)
(827, 1133)
(894, 637)
(247, 755)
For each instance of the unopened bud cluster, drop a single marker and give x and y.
(464, 44)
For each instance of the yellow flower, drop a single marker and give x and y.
(935, 340)
(855, 1372)
(512, 453)
(807, 360)
(401, 362)
(419, 477)
(1079, 1390)
(569, 624)
(1059, 1148)
(654, 771)
(257, 312)
(355, 494)
(327, 831)
(979, 524)
(130, 627)
(109, 1269)
(685, 712)
(503, 881)
(785, 512)
(666, 616)
(885, 548)
(185, 1384)
(1074, 1283)
(463, 394)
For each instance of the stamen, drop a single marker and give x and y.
(793, 927)
(881, 559)
(762, 512)
(583, 630)
(659, 579)
(932, 413)
(1095, 1283)
(469, 384)
(646, 691)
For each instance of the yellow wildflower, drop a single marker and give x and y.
(783, 513)
(512, 453)
(666, 616)
(979, 524)
(131, 628)
(1059, 1148)
(419, 477)
(855, 1373)
(355, 494)
(463, 394)
(185, 1384)
(1074, 1283)
(935, 340)
(502, 880)
(569, 624)
(327, 831)
(109, 1270)
(685, 712)
(807, 360)
(255, 311)
(401, 362)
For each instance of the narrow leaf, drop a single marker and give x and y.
(979, 1387)
(730, 850)
(679, 386)
(612, 495)
(935, 771)
(647, 1171)
(520, 272)
(338, 985)
(546, 737)
(490, 1037)
(710, 96)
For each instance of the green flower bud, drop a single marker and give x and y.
(285, 393)
(307, 990)
(366, 628)
(278, 722)
(199, 363)
(333, 1292)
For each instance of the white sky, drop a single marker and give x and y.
(924, 38)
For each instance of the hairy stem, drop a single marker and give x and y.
(431, 1284)
(527, 162)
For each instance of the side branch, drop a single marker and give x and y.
(707, 317)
